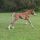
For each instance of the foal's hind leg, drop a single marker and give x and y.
(12, 20)
(12, 24)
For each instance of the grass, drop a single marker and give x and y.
(21, 31)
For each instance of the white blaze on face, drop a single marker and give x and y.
(34, 13)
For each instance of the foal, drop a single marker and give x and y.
(24, 15)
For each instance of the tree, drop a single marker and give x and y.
(13, 5)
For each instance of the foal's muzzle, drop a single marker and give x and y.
(35, 14)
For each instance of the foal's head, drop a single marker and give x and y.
(32, 12)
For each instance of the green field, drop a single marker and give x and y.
(21, 31)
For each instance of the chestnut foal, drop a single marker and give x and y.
(23, 15)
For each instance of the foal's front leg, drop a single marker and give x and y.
(30, 22)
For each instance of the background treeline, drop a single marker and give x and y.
(15, 5)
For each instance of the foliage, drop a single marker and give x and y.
(15, 5)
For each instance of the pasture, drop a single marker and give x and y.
(21, 30)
